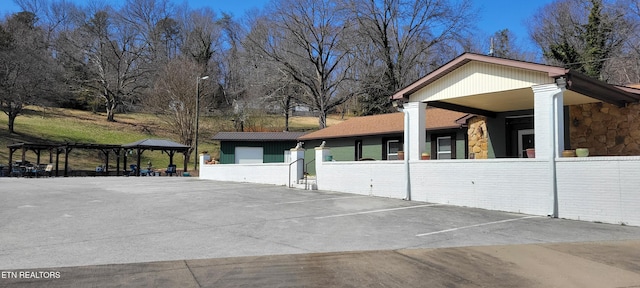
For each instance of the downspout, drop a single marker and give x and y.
(405, 145)
(554, 121)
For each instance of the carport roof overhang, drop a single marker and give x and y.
(486, 85)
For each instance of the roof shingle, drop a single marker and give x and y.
(258, 136)
(436, 119)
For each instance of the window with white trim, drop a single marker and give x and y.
(393, 146)
(443, 147)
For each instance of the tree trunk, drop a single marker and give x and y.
(187, 160)
(12, 120)
(286, 121)
(322, 119)
(287, 109)
(111, 107)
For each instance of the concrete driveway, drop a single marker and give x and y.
(68, 222)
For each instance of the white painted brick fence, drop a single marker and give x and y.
(604, 189)
(515, 185)
(269, 173)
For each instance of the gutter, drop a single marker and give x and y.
(405, 145)
(554, 126)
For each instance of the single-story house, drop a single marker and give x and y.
(256, 147)
(380, 137)
(510, 105)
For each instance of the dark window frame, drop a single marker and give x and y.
(358, 150)
(434, 144)
(384, 145)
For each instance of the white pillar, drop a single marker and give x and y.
(549, 130)
(297, 168)
(417, 129)
(321, 155)
(549, 119)
(203, 158)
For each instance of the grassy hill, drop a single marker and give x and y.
(66, 125)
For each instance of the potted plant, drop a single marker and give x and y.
(400, 155)
(531, 153)
(582, 152)
(425, 156)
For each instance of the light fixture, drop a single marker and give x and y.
(196, 160)
(397, 103)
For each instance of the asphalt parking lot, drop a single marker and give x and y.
(71, 222)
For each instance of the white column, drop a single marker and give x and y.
(297, 168)
(549, 130)
(417, 129)
(203, 158)
(549, 119)
(321, 154)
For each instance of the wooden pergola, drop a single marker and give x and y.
(166, 146)
(66, 148)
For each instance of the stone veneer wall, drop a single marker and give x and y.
(478, 138)
(607, 130)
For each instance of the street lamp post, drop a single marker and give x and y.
(196, 160)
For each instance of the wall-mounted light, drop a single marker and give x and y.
(397, 103)
(576, 122)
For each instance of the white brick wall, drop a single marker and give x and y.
(514, 185)
(497, 184)
(268, 173)
(605, 189)
(375, 178)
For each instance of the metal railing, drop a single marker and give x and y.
(290, 169)
(306, 174)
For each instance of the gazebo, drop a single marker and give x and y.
(166, 146)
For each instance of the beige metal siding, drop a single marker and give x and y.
(480, 78)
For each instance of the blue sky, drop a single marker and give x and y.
(494, 14)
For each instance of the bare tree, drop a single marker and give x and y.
(623, 66)
(397, 39)
(26, 66)
(306, 38)
(174, 97)
(154, 24)
(106, 55)
(201, 35)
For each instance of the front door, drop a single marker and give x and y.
(526, 140)
(517, 128)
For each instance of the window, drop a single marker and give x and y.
(444, 147)
(393, 146)
(248, 155)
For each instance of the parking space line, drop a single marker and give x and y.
(376, 211)
(304, 201)
(477, 225)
